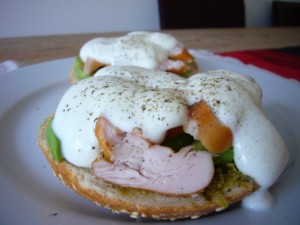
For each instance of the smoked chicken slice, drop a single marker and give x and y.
(135, 162)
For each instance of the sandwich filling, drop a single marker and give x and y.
(156, 51)
(150, 166)
(118, 122)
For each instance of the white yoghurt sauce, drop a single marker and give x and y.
(154, 101)
(144, 49)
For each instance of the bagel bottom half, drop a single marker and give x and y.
(141, 203)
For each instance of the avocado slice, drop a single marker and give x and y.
(178, 142)
(53, 142)
(224, 157)
(79, 69)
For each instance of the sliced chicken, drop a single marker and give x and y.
(206, 127)
(108, 136)
(140, 164)
(177, 63)
(182, 55)
(174, 66)
(92, 65)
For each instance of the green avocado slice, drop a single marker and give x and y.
(224, 157)
(184, 139)
(79, 69)
(53, 142)
(178, 142)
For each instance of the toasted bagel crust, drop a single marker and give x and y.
(137, 203)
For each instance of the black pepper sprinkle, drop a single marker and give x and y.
(143, 107)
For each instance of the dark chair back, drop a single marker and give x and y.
(201, 13)
(285, 13)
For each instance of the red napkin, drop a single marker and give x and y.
(284, 62)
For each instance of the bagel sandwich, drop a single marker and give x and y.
(152, 50)
(148, 144)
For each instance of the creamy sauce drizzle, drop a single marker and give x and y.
(144, 49)
(259, 200)
(153, 101)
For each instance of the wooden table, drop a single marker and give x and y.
(30, 50)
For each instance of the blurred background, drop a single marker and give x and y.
(19, 18)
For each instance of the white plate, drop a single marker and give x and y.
(30, 194)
